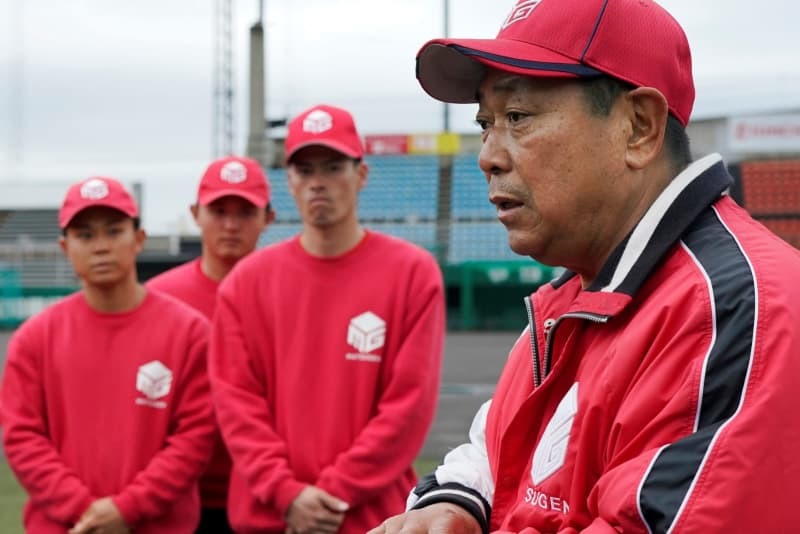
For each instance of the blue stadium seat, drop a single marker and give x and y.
(423, 234)
(400, 187)
(470, 198)
(471, 241)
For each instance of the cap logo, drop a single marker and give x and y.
(233, 172)
(94, 189)
(520, 12)
(317, 121)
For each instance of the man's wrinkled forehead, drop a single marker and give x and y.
(505, 85)
(499, 82)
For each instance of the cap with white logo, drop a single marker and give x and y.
(96, 191)
(326, 126)
(234, 176)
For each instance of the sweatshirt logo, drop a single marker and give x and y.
(153, 380)
(552, 448)
(366, 333)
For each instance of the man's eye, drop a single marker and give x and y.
(482, 124)
(514, 116)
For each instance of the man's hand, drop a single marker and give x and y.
(315, 511)
(439, 518)
(102, 517)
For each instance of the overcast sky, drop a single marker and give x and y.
(124, 87)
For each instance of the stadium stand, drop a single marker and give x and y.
(471, 241)
(470, 193)
(34, 225)
(29, 245)
(771, 193)
(400, 188)
(33, 271)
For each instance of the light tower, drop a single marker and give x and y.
(258, 145)
(223, 129)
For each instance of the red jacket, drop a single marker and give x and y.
(325, 371)
(666, 397)
(109, 404)
(188, 283)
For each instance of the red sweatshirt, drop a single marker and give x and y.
(188, 283)
(326, 372)
(108, 404)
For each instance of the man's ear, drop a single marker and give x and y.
(648, 115)
(141, 237)
(194, 209)
(62, 243)
(363, 173)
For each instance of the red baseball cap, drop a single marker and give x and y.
(237, 176)
(327, 126)
(636, 41)
(96, 191)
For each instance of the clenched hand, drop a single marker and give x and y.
(315, 511)
(439, 518)
(102, 517)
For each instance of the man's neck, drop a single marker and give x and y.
(329, 242)
(215, 268)
(119, 298)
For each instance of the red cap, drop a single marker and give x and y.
(327, 126)
(96, 191)
(241, 177)
(636, 41)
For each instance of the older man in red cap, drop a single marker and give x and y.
(105, 400)
(326, 353)
(654, 389)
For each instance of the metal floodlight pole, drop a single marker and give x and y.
(444, 206)
(446, 35)
(223, 116)
(258, 145)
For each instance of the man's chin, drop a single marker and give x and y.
(231, 254)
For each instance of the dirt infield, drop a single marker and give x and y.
(472, 363)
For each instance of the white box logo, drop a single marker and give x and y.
(366, 332)
(154, 380)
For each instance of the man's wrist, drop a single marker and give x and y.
(461, 496)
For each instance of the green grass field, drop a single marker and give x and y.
(12, 497)
(11, 500)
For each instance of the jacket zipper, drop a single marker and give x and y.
(550, 326)
(537, 377)
(550, 333)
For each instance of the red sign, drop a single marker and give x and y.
(386, 144)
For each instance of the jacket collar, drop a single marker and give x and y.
(667, 219)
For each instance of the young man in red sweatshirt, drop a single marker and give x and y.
(232, 210)
(104, 401)
(326, 352)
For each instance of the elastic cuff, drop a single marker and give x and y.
(285, 493)
(467, 498)
(127, 508)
